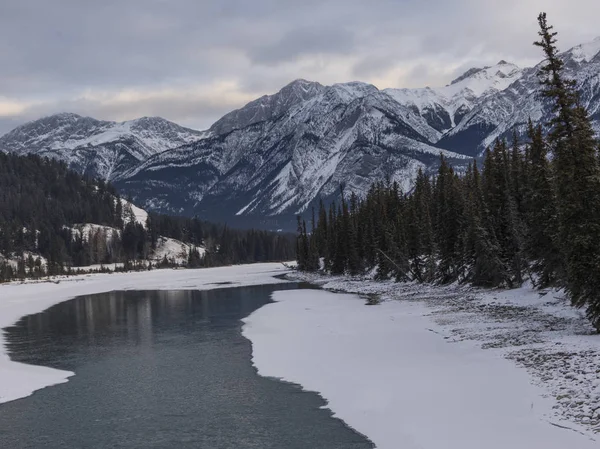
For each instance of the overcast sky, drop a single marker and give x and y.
(191, 61)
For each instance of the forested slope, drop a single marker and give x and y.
(52, 219)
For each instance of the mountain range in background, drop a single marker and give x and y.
(277, 156)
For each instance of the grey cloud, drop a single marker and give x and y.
(53, 51)
(420, 72)
(304, 41)
(372, 65)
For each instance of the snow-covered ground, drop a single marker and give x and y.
(18, 380)
(13, 259)
(174, 250)
(438, 367)
(132, 213)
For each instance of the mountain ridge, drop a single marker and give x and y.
(97, 147)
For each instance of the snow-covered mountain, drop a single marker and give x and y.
(498, 115)
(445, 107)
(100, 148)
(276, 156)
(290, 149)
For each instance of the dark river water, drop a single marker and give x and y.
(160, 369)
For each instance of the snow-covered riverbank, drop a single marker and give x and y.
(539, 333)
(18, 380)
(394, 374)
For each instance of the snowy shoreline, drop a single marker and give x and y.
(537, 333)
(389, 373)
(18, 380)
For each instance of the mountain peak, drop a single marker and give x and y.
(585, 52)
(268, 106)
(301, 82)
(502, 68)
(472, 71)
(354, 89)
(100, 148)
(300, 88)
(153, 118)
(49, 122)
(145, 121)
(65, 115)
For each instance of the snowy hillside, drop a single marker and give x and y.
(132, 213)
(174, 251)
(105, 240)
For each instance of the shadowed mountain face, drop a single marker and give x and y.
(278, 155)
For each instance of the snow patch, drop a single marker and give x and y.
(174, 251)
(132, 213)
(389, 372)
(84, 230)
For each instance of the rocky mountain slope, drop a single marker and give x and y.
(278, 155)
(280, 163)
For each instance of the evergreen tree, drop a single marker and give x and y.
(119, 213)
(301, 246)
(321, 233)
(338, 265)
(449, 223)
(482, 251)
(351, 240)
(312, 262)
(541, 214)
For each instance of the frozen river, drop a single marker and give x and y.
(160, 369)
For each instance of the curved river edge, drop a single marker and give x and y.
(17, 300)
(543, 353)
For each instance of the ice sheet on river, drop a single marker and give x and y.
(18, 380)
(387, 372)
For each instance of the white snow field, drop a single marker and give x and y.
(18, 380)
(389, 372)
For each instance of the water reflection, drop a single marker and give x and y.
(160, 369)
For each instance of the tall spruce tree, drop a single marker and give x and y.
(321, 232)
(301, 245)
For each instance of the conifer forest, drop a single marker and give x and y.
(41, 201)
(529, 209)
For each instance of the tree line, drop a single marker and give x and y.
(532, 210)
(44, 206)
